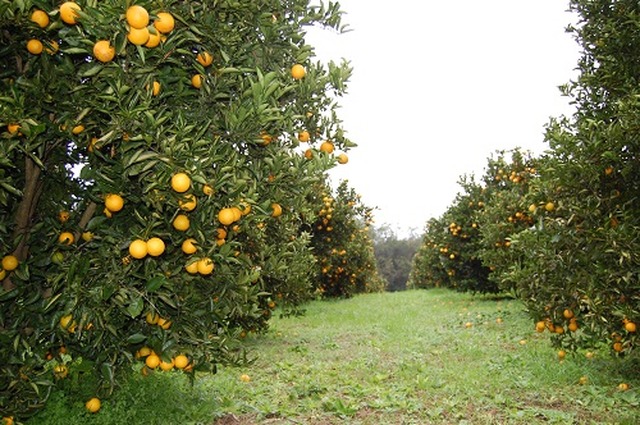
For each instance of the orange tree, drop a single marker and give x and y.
(151, 192)
(342, 243)
(468, 247)
(581, 278)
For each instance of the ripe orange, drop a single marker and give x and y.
(549, 206)
(567, 313)
(68, 12)
(137, 17)
(617, 347)
(180, 182)
(138, 36)
(181, 223)
(298, 72)
(77, 129)
(205, 266)
(66, 238)
(237, 213)
(245, 378)
(327, 147)
(93, 405)
(8, 420)
(51, 47)
(573, 325)
(166, 366)
(104, 51)
(276, 210)
(138, 249)
(164, 323)
(189, 203)
(181, 361)
(226, 216)
(151, 318)
(113, 202)
(623, 386)
(304, 136)
(630, 327)
(13, 128)
(207, 190)
(221, 233)
(192, 267)
(196, 81)
(60, 371)
(34, 46)
(10, 263)
(40, 17)
(308, 154)
(63, 216)
(152, 361)
(155, 247)
(205, 59)
(154, 39)
(164, 22)
(343, 158)
(562, 354)
(189, 246)
(156, 88)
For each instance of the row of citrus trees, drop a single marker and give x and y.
(561, 230)
(159, 168)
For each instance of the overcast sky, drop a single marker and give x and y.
(437, 87)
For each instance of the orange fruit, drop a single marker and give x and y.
(549, 206)
(196, 81)
(245, 378)
(138, 249)
(10, 263)
(66, 238)
(137, 17)
(60, 371)
(156, 88)
(181, 361)
(166, 366)
(164, 22)
(151, 318)
(164, 323)
(567, 313)
(113, 202)
(104, 51)
(226, 216)
(630, 327)
(154, 39)
(13, 128)
(276, 210)
(205, 59)
(189, 246)
(298, 72)
(40, 17)
(77, 129)
(304, 136)
(63, 216)
(34, 46)
(192, 268)
(181, 222)
(562, 354)
(66, 321)
(327, 147)
(152, 361)
(180, 182)
(51, 47)
(189, 203)
(205, 266)
(343, 158)
(237, 213)
(617, 347)
(573, 326)
(207, 190)
(138, 36)
(623, 386)
(93, 405)
(221, 233)
(68, 12)
(308, 154)
(155, 247)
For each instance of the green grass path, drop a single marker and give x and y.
(395, 358)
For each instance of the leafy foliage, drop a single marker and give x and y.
(80, 126)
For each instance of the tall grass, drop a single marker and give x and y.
(414, 357)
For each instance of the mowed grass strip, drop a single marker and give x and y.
(422, 357)
(413, 357)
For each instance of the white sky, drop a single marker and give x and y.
(437, 87)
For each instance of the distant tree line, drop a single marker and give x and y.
(394, 256)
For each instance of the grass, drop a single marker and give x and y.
(393, 358)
